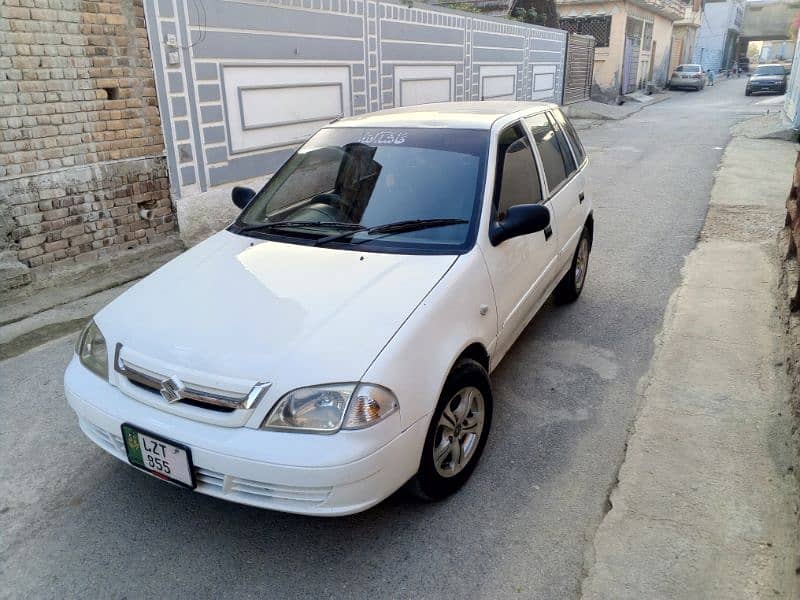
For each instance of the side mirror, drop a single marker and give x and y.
(521, 219)
(241, 196)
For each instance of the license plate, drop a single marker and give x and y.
(163, 458)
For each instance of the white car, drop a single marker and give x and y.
(336, 340)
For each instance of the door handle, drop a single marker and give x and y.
(548, 231)
(580, 198)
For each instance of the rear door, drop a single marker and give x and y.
(564, 181)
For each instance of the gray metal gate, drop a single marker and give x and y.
(630, 62)
(579, 65)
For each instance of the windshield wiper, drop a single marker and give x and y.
(392, 228)
(313, 224)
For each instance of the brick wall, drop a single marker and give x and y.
(82, 171)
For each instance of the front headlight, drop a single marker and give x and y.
(328, 408)
(91, 350)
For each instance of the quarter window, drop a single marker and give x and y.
(577, 147)
(549, 150)
(517, 178)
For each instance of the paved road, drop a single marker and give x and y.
(76, 523)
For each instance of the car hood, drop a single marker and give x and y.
(260, 310)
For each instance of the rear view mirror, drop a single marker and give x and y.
(241, 196)
(521, 219)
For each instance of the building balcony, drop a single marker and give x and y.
(670, 9)
(691, 18)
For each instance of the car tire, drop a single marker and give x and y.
(747, 92)
(571, 285)
(467, 400)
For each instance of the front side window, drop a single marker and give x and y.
(566, 125)
(348, 179)
(516, 175)
(547, 144)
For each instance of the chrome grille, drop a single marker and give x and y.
(258, 492)
(173, 389)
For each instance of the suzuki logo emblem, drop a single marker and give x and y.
(172, 389)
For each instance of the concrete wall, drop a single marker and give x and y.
(82, 172)
(791, 104)
(608, 61)
(241, 84)
(776, 50)
(768, 19)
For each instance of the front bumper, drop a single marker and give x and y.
(764, 87)
(233, 463)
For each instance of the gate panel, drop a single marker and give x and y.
(632, 50)
(579, 67)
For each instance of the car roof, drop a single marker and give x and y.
(769, 65)
(452, 115)
(688, 65)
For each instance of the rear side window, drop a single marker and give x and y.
(566, 126)
(516, 177)
(555, 169)
(566, 154)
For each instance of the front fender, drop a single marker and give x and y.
(418, 358)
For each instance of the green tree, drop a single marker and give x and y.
(539, 12)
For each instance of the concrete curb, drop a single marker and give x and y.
(597, 111)
(705, 500)
(28, 321)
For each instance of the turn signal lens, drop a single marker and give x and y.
(368, 405)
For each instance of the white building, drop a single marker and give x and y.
(715, 47)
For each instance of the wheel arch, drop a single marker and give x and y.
(475, 351)
(590, 228)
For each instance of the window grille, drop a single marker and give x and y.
(598, 27)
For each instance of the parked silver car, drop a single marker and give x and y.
(688, 76)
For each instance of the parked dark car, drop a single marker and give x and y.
(767, 78)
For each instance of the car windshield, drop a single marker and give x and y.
(770, 70)
(688, 69)
(349, 179)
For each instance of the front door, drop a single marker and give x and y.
(521, 268)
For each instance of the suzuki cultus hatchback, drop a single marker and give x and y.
(336, 340)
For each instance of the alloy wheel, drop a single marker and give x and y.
(581, 263)
(458, 432)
